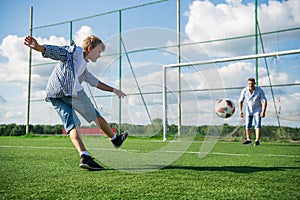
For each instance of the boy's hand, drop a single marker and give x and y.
(33, 44)
(119, 93)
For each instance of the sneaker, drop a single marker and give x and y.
(247, 142)
(256, 143)
(87, 162)
(118, 141)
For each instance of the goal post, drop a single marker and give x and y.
(213, 61)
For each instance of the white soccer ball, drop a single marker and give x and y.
(224, 108)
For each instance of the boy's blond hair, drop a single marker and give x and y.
(92, 41)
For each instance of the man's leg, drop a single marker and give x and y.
(257, 132)
(257, 129)
(248, 129)
(248, 134)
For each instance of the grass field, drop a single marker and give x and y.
(47, 168)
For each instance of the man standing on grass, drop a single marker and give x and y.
(255, 109)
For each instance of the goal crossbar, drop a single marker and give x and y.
(246, 57)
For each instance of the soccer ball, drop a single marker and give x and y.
(224, 108)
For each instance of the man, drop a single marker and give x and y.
(255, 110)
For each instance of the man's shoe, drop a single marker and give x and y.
(118, 141)
(256, 143)
(247, 142)
(87, 162)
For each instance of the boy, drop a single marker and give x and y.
(66, 94)
(256, 109)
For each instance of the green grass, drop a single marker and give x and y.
(47, 168)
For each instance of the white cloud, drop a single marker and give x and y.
(280, 14)
(10, 113)
(12, 47)
(13, 114)
(82, 33)
(38, 95)
(288, 112)
(207, 21)
(236, 74)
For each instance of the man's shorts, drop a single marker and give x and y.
(66, 107)
(257, 121)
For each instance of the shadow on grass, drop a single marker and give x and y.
(235, 169)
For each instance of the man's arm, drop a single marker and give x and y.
(241, 109)
(264, 103)
(241, 100)
(264, 108)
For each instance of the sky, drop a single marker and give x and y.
(151, 27)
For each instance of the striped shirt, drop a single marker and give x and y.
(63, 77)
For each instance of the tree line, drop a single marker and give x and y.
(19, 130)
(225, 131)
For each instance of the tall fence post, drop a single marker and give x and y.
(120, 69)
(179, 69)
(29, 75)
(256, 42)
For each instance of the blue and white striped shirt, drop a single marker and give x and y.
(62, 79)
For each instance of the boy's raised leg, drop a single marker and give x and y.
(117, 140)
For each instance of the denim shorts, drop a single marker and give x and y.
(66, 107)
(257, 121)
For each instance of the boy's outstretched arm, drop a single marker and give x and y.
(105, 87)
(33, 44)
